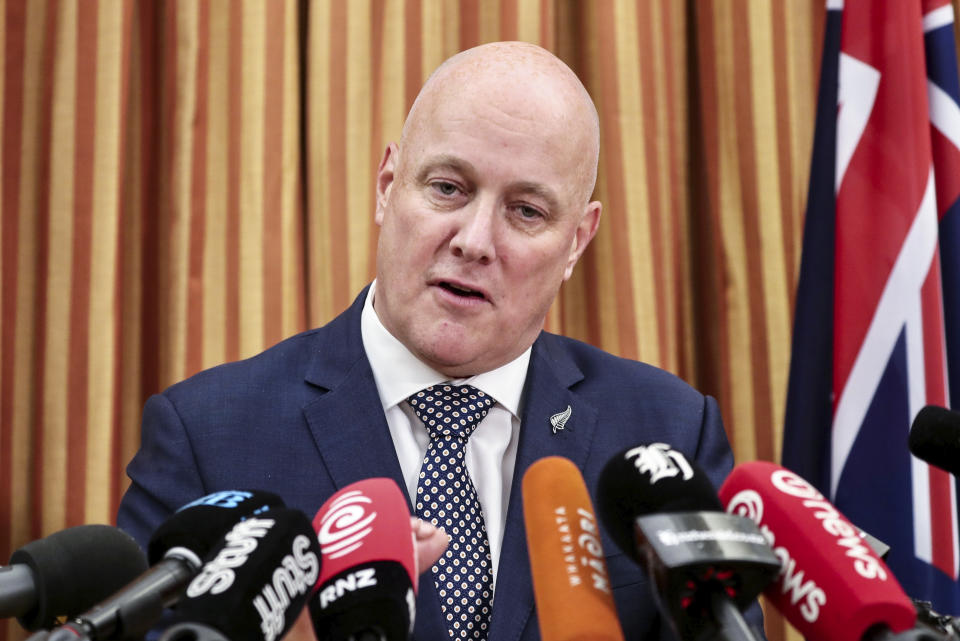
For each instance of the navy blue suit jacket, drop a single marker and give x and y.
(303, 419)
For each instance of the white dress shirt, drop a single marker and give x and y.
(491, 450)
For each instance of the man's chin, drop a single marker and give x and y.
(451, 359)
(454, 367)
(456, 351)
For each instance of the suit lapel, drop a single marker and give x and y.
(350, 430)
(547, 393)
(347, 420)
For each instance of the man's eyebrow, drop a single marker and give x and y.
(536, 189)
(445, 162)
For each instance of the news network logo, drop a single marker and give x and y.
(660, 461)
(240, 542)
(345, 525)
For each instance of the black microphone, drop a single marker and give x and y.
(66, 572)
(707, 566)
(197, 528)
(254, 585)
(935, 438)
(200, 525)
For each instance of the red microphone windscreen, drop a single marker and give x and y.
(365, 521)
(570, 582)
(831, 585)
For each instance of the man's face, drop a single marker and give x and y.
(483, 215)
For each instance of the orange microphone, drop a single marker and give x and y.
(570, 582)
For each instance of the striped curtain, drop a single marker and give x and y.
(185, 182)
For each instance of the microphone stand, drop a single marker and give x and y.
(731, 626)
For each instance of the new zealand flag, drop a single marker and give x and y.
(877, 325)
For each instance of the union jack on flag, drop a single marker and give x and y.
(877, 324)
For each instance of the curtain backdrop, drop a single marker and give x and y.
(188, 182)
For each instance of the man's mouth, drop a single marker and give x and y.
(460, 290)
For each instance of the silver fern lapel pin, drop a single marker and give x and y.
(559, 420)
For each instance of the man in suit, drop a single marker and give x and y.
(484, 209)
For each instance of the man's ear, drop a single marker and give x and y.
(385, 174)
(586, 230)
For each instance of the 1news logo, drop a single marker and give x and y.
(791, 579)
(847, 537)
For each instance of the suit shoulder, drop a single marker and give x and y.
(602, 368)
(278, 364)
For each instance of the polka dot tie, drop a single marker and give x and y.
(446, 497)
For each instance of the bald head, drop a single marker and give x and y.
(524, 81)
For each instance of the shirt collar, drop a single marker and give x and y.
(399, 374)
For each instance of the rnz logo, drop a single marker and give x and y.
(296, 575)
(357, 580)
(218, 575)
(346, 523)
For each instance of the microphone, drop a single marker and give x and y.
(707, 565)
(255, 583)
(368, 583)
(199, 525)
(178, 545)
(831, 585)
(66, 572)
(570, 582)
(935, 438)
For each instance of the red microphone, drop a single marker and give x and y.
(368, 579)
(831, 586)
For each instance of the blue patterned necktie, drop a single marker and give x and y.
(446, 497)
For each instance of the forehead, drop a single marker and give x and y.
(500, 128)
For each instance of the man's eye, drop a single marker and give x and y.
(530, 212)
(445, 188)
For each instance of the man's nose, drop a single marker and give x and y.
(475, 237)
